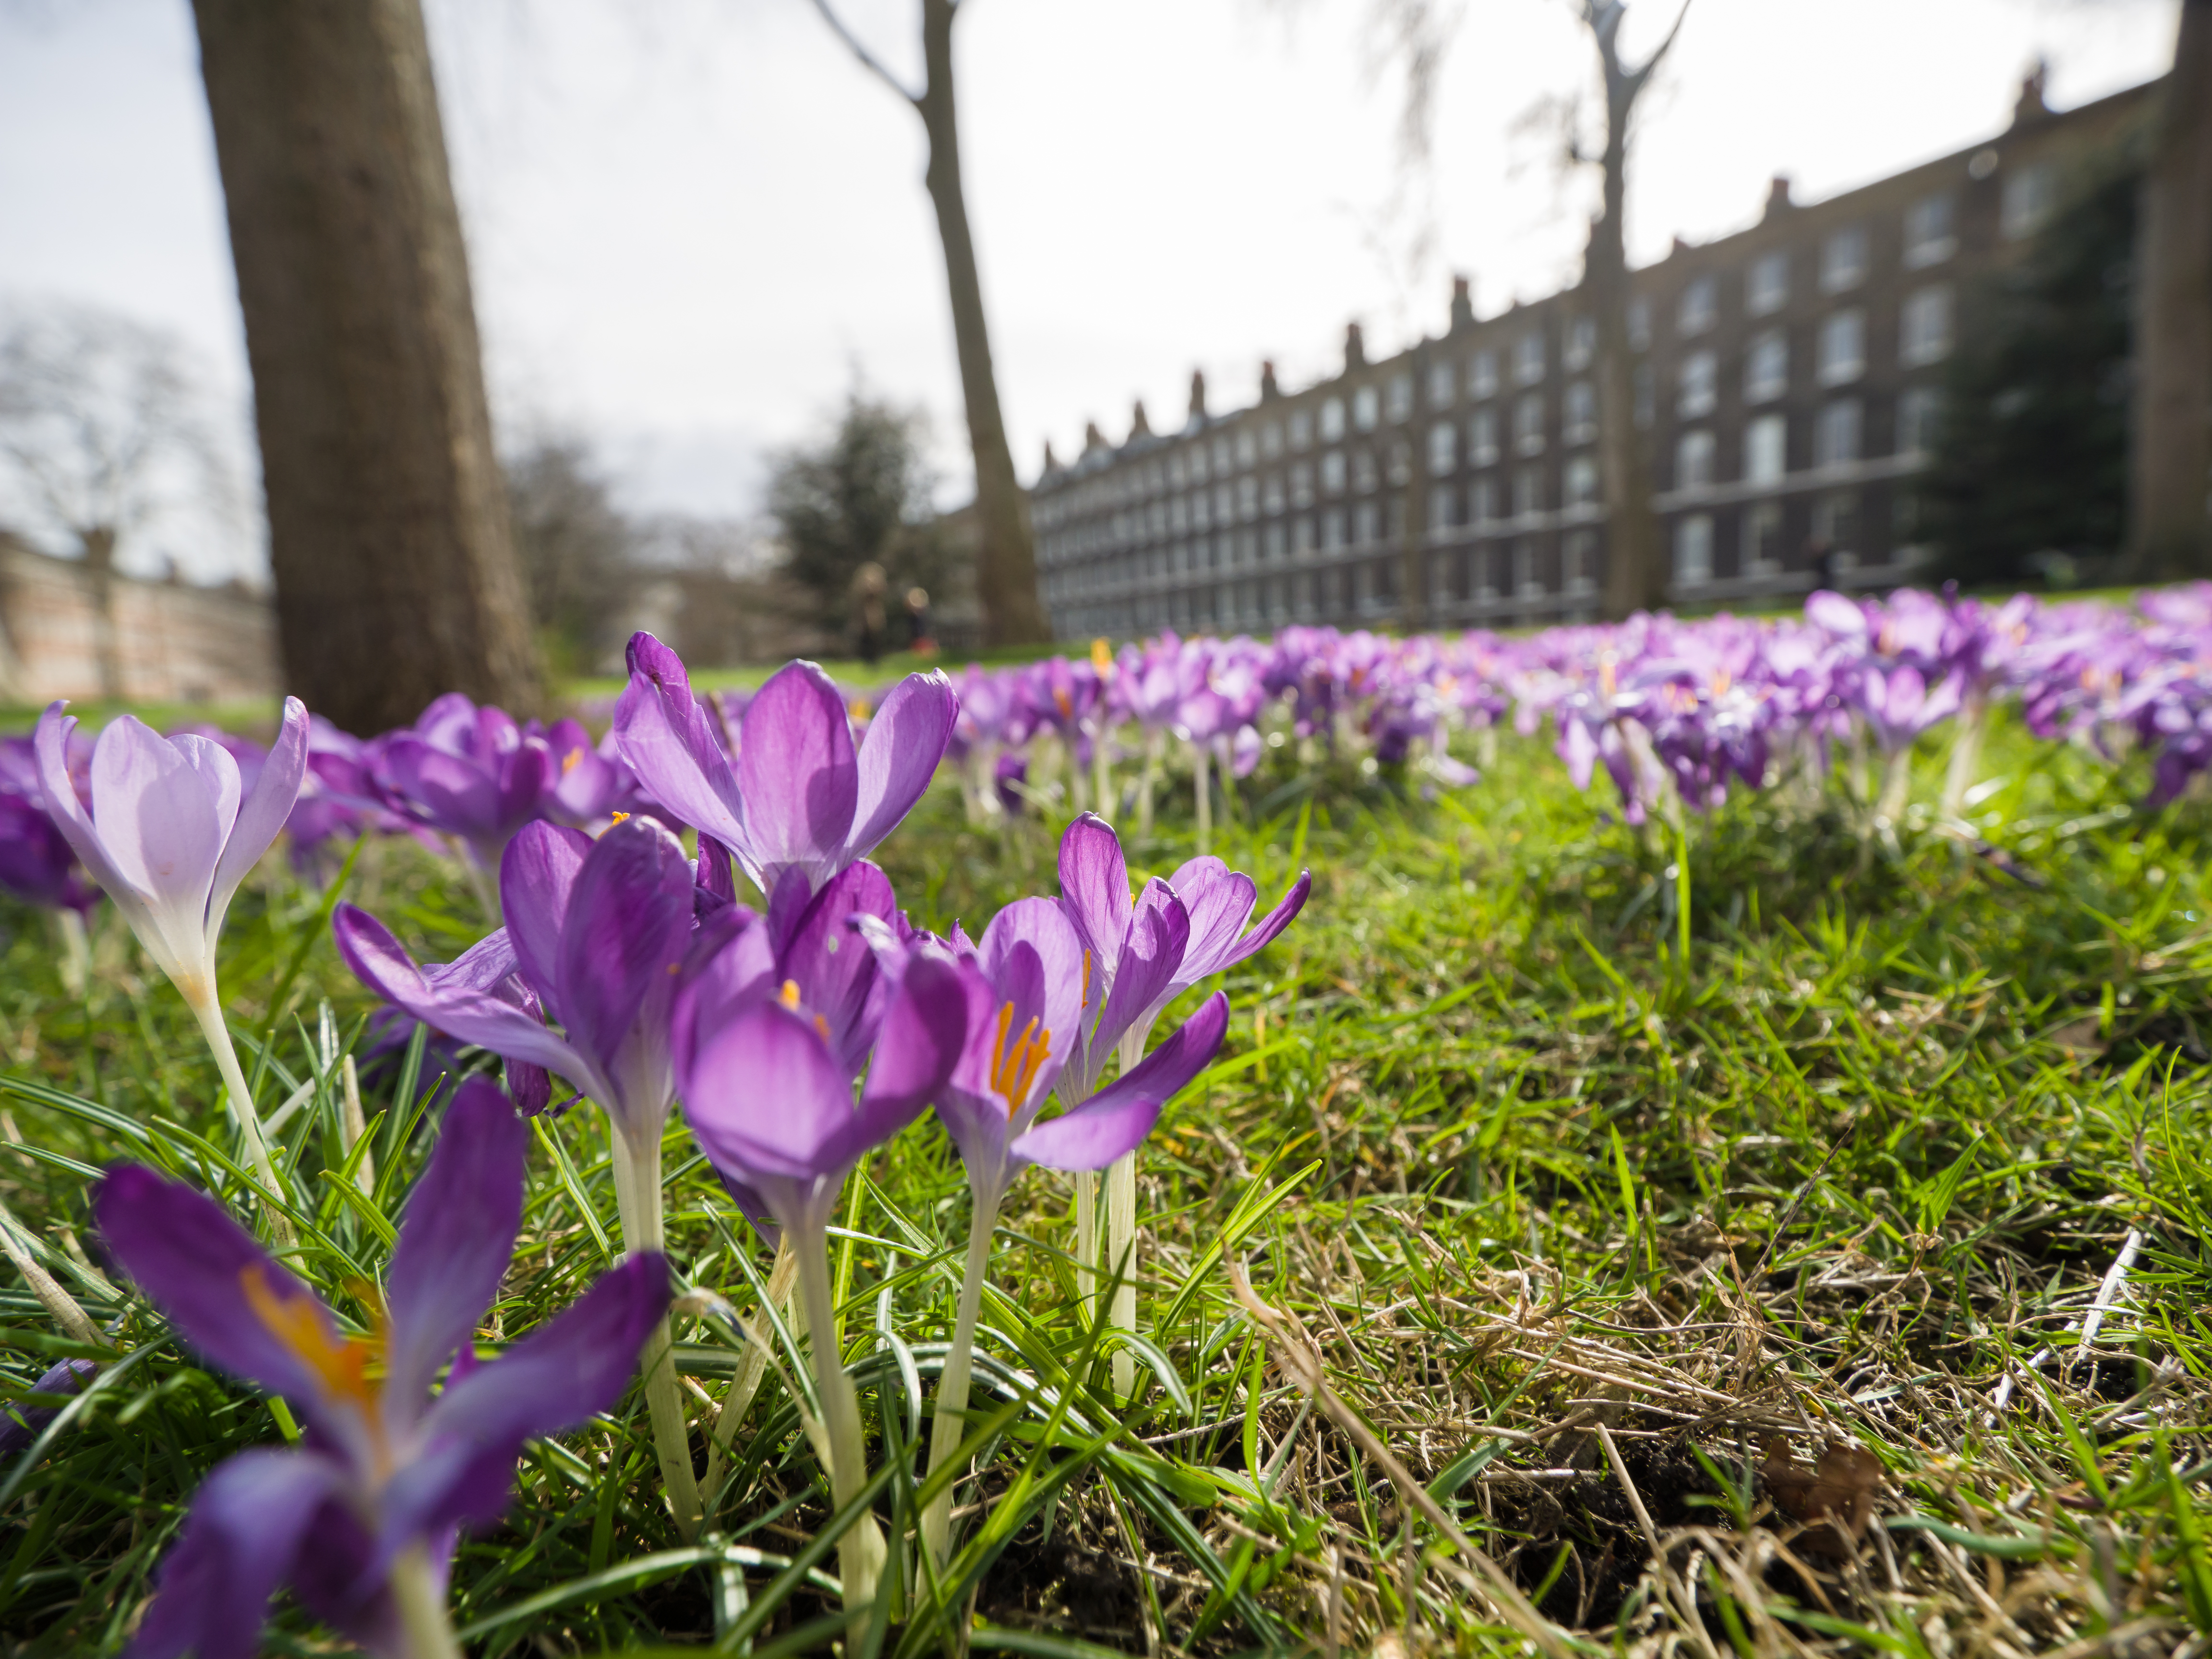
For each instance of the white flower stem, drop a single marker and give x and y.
(860, 1551)
(952, 1426)
(420, 1601)
(1122, 1230)
(1896, 788)
(1086, 1241)
(199, 994)
(637, 1197)
(1966, 754)
(752, 1366)
(77, 951)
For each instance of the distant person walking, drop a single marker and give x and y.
(1820, 556)
(869, 585)
(919, 638)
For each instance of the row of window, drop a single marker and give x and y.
(1835, 531)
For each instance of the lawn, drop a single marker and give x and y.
(1631, 1200)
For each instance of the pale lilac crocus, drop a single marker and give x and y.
(799, 802)
(772, 1106)
(169, 833)
(469, 772)
(362, 1518)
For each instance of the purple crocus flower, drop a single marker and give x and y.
(771, 1105)
(37, 864)
(468, 772)
(361, 1517)
(797, 803)
(20, 1423)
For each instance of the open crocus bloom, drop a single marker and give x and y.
(799, 803)
(362, 1518)
(1131, 948)
(1219, 901)
(469, 772)
(171, 832)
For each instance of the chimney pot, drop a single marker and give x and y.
(1462, 303)
(1092, 437)
(1777, 195)
(2031, 106)
(1197, 397)
(1268, 387)
(1355, 349)
(1051, 461)
(1139, 426)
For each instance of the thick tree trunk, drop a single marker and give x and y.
(2170, 515)
(1635, 561)
(1006, 559)
(396, 573)
(97, 543)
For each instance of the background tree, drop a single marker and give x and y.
(2031, 455)
(2172, 464)
(101, 432)
(861, 496)
(579, 552)
(396, 573)
(1006, 559)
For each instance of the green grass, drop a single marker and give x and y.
(1535, 1158)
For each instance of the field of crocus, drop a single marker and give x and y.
(1682, 1137)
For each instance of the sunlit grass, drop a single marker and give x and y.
(1529, 1177)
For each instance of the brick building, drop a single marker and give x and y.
(1787, 377)
(170, 642)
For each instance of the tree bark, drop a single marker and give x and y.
(1635, 561)
(1006, 560)
(2170, 468)
(396, 574)
(98, 544)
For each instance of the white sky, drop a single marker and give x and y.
(695, 222)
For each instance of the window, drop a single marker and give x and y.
(1332, 530)
(1485, 588)
(1271, 439)
(1925, 333)
(2030, 194)
(1528, 358)
(1400, 397)
(1844, 260)
(1482, 374)
(1366, 405)
(1699, 307)
(1332, 420)
(1331, 473)
(1766, 289)
(1402, 461)
(1579, 561)
(1639, 325)
(1443, 447)
(1178, 515)
(1581, 423)
(1225, 503)
(1274, 543)
(1917, 407)
(1383, 581)
(1929, 237)
(1528, 491)
(1843, 348)
(1766, 367)
(1175, 470)
(1693, 461)
(1300, 428)
(1640, 386)
(1224, 452)
(1582, 482)
(1302, 491)
(1482, 501)
(1697, 390)
(1198, 472)
(1366, 524)
(1201, 512)
(1302, 534)
(1443, 509)
(1835, 523)
(1443, 383)
(1529, 423)
(1363, 470)
(1482, 438)
(1765, 450)
(1248, 497)
(1694, 550)
(1582, 344)
(1836, 439)
(1247, 447)
(1526, 582)
(1271, 493)
(1762, 538)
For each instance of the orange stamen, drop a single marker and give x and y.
(571, 761)
(1013, 1071)
(614, 818)
(297, 1323)
(789, 994)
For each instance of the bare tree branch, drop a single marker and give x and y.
(866, 57)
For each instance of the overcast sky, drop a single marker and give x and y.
(695, 223)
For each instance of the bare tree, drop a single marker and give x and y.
(396, 573)
(1005, 574)
(101, 433)
(2171, 465)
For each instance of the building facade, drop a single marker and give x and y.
(1787, 379)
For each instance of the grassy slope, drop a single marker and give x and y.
(1540, 1184)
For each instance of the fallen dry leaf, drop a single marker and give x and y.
(1838, 1490)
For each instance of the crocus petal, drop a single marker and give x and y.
(446, 791)
(245, 1527)
(1159, 932)
(798, 774)
(1092, 1136)
(455, 1241)
(51, 745)
(1219, 901)
(924, 1030)
(906, 739)
(623, 942)
(264, 811)
(1033, 959)
(537, 877)
(158, 825)
(668, 741)
(1094, 884)
(554, 1379)
(765, 1096)
(476, 1016)
(834, 970)
(193, 1261)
